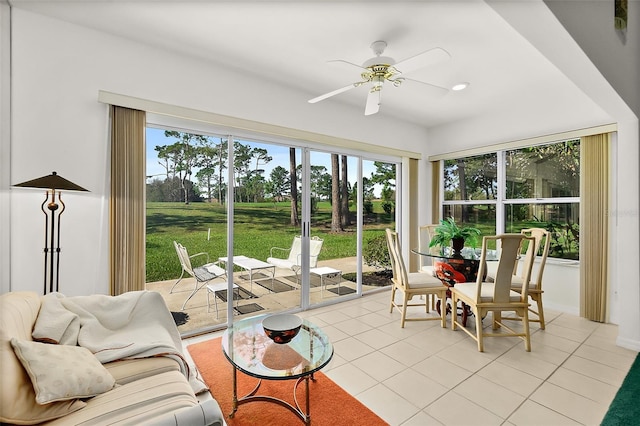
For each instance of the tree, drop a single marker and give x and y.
(316, 174)
(170, 190)
(254, 186)
(323, 187)
(261, 156)
(293, 179)
(385, 175)
(279, 183)
(336, 223)
(221, 163)
(254, 180)
(180, 157)
(345, 218)
(241, 166)
(212, 161)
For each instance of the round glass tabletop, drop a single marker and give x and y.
(466, 253)
(249, 349)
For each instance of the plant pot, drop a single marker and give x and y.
(457, 244)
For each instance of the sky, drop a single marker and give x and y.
(155, 137)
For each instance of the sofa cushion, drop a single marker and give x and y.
(62, 372)
(18, 312)
(128, 370)
(135, 403)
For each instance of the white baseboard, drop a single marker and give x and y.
(628, 343)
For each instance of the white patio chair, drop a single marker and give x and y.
(202, 274)
(293, 260)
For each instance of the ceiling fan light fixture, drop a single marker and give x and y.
(460, 86)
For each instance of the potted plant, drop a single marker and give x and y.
(449, 232)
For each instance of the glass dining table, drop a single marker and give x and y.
(453, 267)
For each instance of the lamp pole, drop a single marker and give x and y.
(52, 250)
(51, 183)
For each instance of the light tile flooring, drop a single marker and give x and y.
(426, 375)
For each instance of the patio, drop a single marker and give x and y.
(286, 295)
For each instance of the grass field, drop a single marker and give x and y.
(202, 227)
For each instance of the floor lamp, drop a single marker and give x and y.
(51, 183)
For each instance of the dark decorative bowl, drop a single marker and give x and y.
(282, 328)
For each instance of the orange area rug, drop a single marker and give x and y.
(330, 404)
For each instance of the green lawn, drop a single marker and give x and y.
(258, 227)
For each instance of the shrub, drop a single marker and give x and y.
(376, 253)
(367, 207)
(388, 206)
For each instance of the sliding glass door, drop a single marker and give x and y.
(186, 206)
(306, 225)
(267, 230)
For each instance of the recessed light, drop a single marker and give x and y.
(460, 86)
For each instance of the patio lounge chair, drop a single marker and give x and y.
(293, 260)
(202, 274)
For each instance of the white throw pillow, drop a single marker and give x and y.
(62, 372)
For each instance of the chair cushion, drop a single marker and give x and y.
(62, 372)
(202, 273)
(428, 269)
(423, 280)
(214, 269)
(281, 263)
(468, 290)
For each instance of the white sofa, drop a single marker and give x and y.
(148, 390)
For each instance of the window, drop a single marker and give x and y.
(471, 191)
(507, 191)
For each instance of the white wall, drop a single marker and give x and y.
(5, 145)
(58, 124)
(594, 23)
(616, 54)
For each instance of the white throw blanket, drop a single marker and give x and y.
(136, 324)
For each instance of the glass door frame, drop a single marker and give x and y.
(232, 135)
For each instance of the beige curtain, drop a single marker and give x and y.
(413, 211)
(594, 226)
(435, 191)
(127, 202)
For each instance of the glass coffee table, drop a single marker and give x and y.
(250, 351)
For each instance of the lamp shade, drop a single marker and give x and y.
(52, 181)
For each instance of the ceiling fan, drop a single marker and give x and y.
(381, 69)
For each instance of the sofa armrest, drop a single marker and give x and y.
(206, 413)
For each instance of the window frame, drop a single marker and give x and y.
(501, 201)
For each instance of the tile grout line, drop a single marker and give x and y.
(547, 379)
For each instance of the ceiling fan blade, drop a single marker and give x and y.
(373, 100)
(433, 87)
(335, 92)
(421, 60)
(340, 61)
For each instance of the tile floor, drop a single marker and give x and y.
(426, 375)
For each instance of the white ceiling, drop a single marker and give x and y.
(290, 42)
